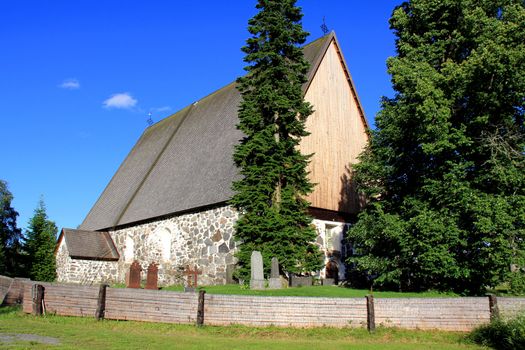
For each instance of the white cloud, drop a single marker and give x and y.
(70, 84)
(121, 100)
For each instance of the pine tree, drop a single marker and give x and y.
(272, 115)
(40, 245)
(10, 235)
(445, 169)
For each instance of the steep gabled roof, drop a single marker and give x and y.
(182, 162)
(89, 245)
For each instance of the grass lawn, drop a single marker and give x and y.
(86, 333)
(314, 291)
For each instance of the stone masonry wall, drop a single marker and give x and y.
(203, 239)
(81, 271)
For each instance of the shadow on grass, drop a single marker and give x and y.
(6, 310)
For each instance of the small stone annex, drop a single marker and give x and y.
(168, 201)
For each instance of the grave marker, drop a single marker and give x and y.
(152, 277)
(192, 276)
(134, 275)
(275, 279)
(257, 274)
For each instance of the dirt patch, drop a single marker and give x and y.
(10, 338)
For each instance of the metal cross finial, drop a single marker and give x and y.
(149, 121)
(324, 27)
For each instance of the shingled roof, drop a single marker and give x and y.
(183, 162)
(89, 245)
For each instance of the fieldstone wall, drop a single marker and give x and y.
(81, 271)
(203, 239)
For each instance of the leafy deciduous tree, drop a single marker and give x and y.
(445, 169)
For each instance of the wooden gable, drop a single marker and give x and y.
(339, 133)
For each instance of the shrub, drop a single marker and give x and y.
(501, 334)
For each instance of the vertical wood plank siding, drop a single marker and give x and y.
(338, 135)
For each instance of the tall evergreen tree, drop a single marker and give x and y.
(445, 169)
(10, 235)
(272, 115)
(40, 245)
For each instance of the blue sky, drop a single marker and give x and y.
(78, 79)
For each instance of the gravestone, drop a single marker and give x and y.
(134, 275)
(152, 277)
(275, 280)
(257, 276)
(328, 282)
(192, 275)
(300, 281)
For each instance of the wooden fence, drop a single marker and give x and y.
(11, 290)
(451, 314)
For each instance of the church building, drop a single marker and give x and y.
(168, 201)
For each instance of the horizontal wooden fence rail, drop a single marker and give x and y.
(284, 311)
(11, 290)
(451, 314)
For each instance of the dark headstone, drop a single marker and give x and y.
(134, 275)
(152, 278)
(299, 281)
(275, 280)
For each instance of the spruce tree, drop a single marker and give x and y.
(10, 235)
(40, 245)
(445, 169)
(272, 115)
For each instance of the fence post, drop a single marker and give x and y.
(493, 307)
(370, 313)
(200, 309)
(101, 302)
(38, 299)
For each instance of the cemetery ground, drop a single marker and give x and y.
(57, 332)
(313, 291)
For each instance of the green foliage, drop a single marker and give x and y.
(501, 334)
(10, 235)
(40, 245)
(517, 283)
(445, 168)
(272, 115)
